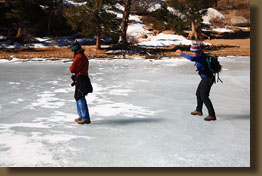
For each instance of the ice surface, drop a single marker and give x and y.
(140, 112)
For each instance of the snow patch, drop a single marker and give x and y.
(2, 37)
(123, 92)
(222, 30)
(166, 40)
(64, 90)
(14, 83)
(17, 101)
(25, 125)
(53, 82)
(72, 2)
(47, 100)
(135, 28)
(3, 60)
(61, 117)
(25, 152)
(59, 139)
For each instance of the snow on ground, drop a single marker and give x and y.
(166, 40)
(222, 30)
(2, 37)
(136, 28)
(140, 112)
(72, 2)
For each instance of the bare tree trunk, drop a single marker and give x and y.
(49, 23)
(124, 23)
(98, 4)
(98, 34)
(18, 34)
(98, 41)
(193, 35)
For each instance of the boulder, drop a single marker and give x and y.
(239, 21)
(213, 14)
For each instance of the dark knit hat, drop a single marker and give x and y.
(195, 48)
(76, 46)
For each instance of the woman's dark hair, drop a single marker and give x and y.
(80, 51)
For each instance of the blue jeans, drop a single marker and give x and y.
(82, 109)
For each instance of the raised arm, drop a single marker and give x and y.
(191, 58)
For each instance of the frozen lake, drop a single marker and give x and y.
(140, 113)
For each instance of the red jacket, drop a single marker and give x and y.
(80, 65)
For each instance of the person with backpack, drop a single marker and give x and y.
(81, 82)
(207, 80)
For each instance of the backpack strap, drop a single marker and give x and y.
(218, 79)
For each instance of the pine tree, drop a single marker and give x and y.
(55, 21)
(3, 21)
(193, 10)
(23, 16)
(165, 20)
(94, 18)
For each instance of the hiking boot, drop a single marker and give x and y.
(197, 113)
(84, 121)
(208, 118)
(78, 119)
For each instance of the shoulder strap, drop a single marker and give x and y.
(218, 79)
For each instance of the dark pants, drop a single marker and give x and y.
(202, 94)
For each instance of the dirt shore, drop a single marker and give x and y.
(223, 47)
(241, 47)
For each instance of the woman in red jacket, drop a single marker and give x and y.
(82, 83)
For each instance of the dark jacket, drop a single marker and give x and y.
(83, 86)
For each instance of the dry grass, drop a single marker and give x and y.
(233, 4)
(232, 8)
(50, 52)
